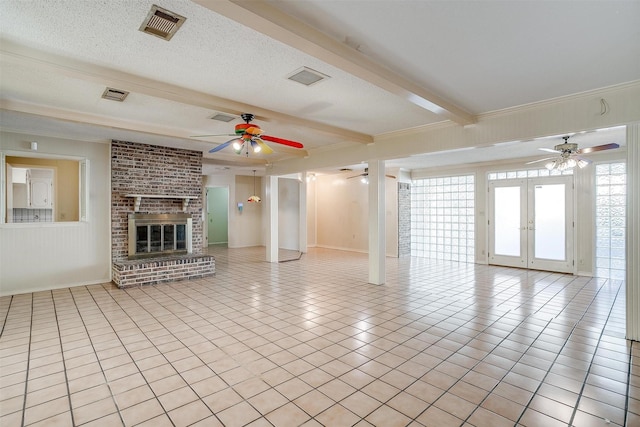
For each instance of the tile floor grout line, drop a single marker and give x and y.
(398, 344)
(128, 353)
(84, 324)
(179, 340)
(6, 316)
(575, 326)
(260, 376)
(481, 360)
(26, 380)
(64, 365)
(497, 345)
(575, 409)
(626, 401)
(443, 360)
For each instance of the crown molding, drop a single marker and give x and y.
(600, 92)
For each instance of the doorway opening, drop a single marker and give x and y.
(217, 216)
(531, 223)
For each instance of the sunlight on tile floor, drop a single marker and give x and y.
(309, 342)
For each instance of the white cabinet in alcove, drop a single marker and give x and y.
(40, 189)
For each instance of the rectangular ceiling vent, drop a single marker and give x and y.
(222, 118)
(114, 94)
(307, 76)
(162, 23)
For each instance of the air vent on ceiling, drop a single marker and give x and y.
(114, 94)
(161, 23)
(307, 76)
(222, 118)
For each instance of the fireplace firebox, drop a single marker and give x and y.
(156, 235)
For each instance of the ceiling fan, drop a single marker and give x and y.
(364, 177)
(249, 136)
(570, 156)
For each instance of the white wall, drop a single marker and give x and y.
(311, 214)
(289, 213)
(39, 256)
(342, 214)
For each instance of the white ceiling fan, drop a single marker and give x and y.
(569, 156)
(364, 177)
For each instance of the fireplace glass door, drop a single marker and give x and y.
(156, 235)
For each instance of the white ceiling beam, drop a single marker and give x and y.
(276, 24)
(13, 53)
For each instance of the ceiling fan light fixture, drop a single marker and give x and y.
(582, 163)
(254, 198)
(256, 148)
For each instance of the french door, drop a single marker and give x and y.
(531, 223)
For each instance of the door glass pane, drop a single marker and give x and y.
(507, 218)
(155, 244)
(549, 222)
(168, 244)
(181, 237)
(142, 238)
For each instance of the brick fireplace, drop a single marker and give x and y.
(149, 181)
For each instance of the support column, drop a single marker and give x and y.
(302, 230)
(377, 232)
(633, 232)
(272, 218)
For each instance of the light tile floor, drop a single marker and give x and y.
(310, 342)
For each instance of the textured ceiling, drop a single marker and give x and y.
(471, 57)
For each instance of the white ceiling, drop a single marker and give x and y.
(393, 65)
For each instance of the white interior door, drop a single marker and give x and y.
(531, 223)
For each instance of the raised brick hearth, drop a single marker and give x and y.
(156, 171)
(160, 270)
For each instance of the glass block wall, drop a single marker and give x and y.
(528, 173)
(442, 218)
(611, 192)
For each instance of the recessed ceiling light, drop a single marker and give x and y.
(307, 76)
(161, 23)
(114, 94)
(222, 118)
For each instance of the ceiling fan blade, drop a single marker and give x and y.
(223, 145)
(390, 176)
(540, 160)
(263, 147)
(357, 176)
(598, 148)
(282, 141)
(550, 150)
(253, 131)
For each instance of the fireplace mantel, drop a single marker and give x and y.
(138, 199)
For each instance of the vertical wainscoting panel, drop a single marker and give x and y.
(633, 232)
